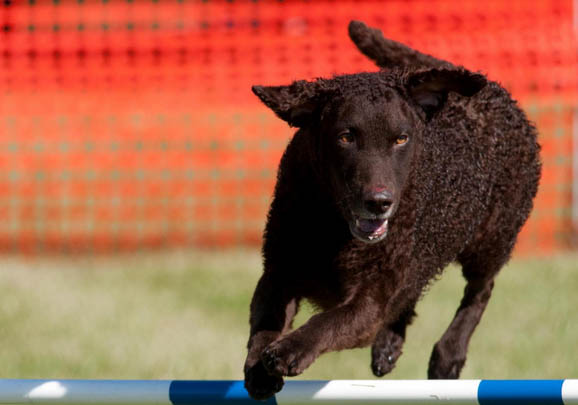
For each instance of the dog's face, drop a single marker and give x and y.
(365, 129)
(368, 146)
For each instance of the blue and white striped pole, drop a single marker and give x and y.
(295, 392)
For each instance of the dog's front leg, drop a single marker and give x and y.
(272, 312)
(348, 326)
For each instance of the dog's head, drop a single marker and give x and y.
(364, 129)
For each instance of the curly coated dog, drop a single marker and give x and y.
(390, 177)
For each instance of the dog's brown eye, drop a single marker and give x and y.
(346, 137)
(401, 139)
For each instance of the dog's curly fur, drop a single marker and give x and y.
(469, 189)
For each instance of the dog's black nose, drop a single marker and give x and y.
(378, 203)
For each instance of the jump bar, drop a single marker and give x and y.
(295, 392)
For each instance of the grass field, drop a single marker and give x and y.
(184, 315)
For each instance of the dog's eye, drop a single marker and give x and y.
(403, 138)
(346, 137)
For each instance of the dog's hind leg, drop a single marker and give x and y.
(389, 54)
(449, 353)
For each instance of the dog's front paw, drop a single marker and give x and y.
(260, 384)
(287, 357)
(385, 352)
(445, 363)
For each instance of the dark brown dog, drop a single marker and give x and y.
(390, 177)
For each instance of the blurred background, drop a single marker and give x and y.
(136, 168)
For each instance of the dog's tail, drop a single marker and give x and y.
(388, 54)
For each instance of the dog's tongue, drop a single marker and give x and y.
(371, 225)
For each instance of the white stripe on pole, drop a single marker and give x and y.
(383, 391)
(570, 392)
(84, 392)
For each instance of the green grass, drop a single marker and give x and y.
(184, 315)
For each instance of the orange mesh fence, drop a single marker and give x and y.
(129, 124)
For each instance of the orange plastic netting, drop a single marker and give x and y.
(130, 124)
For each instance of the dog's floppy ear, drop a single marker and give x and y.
(429, 89)
(296, 103)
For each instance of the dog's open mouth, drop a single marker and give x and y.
(369, 230)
